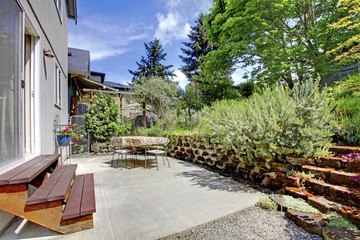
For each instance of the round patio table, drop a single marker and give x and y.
(139, 141)
(135, 142)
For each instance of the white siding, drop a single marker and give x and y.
(51, 34)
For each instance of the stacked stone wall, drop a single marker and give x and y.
(265, 169)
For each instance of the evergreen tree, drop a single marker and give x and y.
(150, 65)
(197, 47)
(211, 87)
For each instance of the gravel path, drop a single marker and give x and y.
(253, 223)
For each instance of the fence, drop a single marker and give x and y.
(82, 145)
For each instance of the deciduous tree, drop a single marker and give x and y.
(349, 50)
(279, 39)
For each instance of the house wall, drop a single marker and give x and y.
(50, 33)
(42, 22)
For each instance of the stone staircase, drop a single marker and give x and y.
(333, 188)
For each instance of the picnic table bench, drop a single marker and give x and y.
(63, 201)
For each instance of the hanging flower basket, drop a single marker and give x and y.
(63, 140)
(64, 136)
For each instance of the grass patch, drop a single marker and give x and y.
(267, 202)
(299, 205)
(337, 220)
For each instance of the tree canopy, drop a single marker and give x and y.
(349, 50)
(157, 92)
(279, 39)
(151, 66)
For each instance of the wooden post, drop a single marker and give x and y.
(121, 98)
(144, 114)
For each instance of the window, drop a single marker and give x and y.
(11, 137)
(58, 6)
(57, 85)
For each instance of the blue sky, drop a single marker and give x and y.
(115, 31)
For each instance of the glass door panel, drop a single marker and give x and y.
(10, 75)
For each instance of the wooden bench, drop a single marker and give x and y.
(56, 187)
(59, 203)
(81, 201)
(28, 171)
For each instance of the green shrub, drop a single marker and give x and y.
(300, 119)
(140, 131)
(347, 101)
(124, 127)
(102, 118)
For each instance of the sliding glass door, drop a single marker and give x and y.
(11, 136)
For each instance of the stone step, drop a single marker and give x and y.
(344, 149)
(335, 233)
(319, 172)
(332, 192)
(344, 179)
(353, 166)
(311, 222)
(298, 192)
(325, 205)
(330, 175)
(330, 162)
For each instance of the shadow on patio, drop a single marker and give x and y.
(134, 203)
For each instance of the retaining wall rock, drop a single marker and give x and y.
(265, 169)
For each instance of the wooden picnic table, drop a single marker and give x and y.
(63, 201)
(28, 171)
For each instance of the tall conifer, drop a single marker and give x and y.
(151, 66)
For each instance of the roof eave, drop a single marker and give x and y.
(72, 10)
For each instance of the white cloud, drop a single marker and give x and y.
(180, 79)
(172, 3)
(237, 77)
(175, 23)
(170, 27)
(104, 38)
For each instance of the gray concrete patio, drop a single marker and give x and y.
(134, 203)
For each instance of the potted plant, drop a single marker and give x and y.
(64, 136)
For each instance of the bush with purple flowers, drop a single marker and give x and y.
(350, 157)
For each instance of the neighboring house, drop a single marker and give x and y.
(81, 79)
(33, 76)
(125, 100)
(83, 83)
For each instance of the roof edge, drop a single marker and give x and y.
(72, 10)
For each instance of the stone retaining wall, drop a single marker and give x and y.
(265, 169)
